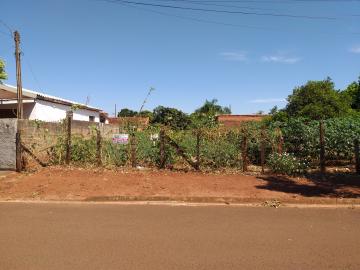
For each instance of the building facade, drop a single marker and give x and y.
(43, 107)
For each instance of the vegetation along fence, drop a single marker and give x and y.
(292, 147)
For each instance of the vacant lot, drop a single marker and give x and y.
(57, 183)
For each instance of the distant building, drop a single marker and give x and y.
(39, 106)
(138, 121)
(230, 120)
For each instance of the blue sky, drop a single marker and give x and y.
(115, 53)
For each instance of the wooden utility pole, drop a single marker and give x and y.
(18, 75)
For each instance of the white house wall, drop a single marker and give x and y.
(54, 112)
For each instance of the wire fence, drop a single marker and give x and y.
(291, 148)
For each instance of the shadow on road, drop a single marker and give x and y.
(331, 185)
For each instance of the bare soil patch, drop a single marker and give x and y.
(59, 183)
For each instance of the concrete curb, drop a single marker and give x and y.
(204, 201)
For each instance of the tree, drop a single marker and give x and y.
(274, 110)
(171, 117)
(212, 108)
(3, 75)
(352, 95)
(127, 113)
(146, 114)
(317, 100)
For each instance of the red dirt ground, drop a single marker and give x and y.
(58, 183)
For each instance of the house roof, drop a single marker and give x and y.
(41, 96)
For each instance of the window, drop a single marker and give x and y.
(91, 118)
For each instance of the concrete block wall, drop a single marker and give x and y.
(8, 129)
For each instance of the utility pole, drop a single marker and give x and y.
(18, 75)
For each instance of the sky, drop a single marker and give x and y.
(113, 52)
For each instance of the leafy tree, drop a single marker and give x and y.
(352, 95)
(3, 75)
(212, 108)
(171, 117)
(274, 110)
(317, 100)
(127, 113)
(146, 114)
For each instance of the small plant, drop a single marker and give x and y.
(286, 163)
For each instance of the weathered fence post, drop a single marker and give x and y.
(280, 143)
(133, 149)
(322, 148)
(357, 155)
(162, 149)
(262, 150)
(244, 149)
(18, 151)
(198, 142)
(69, 115)
(98, 147)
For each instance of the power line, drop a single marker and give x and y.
(206, 3)
(197, 19)
(215, 22)
(225, 11)
(27, 61)
(7, 27)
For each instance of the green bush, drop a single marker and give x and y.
(286, 164)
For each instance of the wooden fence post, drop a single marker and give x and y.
(244, 149)
(18, 152)
(262, 150)
(357, 155)
(198, 142)
(133, 149)
(69, 115)
(280, 142)
(98, 147)
(162, 149)
(322, 148)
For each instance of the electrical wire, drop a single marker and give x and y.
(217, 22)
(225, 11)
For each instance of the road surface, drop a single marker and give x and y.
(114, 236)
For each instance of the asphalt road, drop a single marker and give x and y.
(102, 236)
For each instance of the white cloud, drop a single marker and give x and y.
(355, 49)
(280, 58)
(268, 100)
(234, 56)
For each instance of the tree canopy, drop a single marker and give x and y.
(127, 113)
(317, 100)
(3, 75)
(212, 108)
(171, 117)
(352, 95)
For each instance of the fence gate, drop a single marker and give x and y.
(8, 129)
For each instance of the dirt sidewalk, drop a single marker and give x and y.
(57, 183)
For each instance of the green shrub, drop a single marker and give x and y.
(286, 164)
